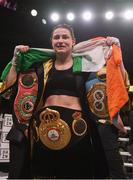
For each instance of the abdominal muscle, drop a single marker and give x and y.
(63, 101)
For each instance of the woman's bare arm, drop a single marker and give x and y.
(12, 75)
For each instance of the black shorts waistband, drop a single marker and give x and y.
(61, 120)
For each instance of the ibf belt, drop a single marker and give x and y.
(97, 100)
(26, 96)
(55, 133)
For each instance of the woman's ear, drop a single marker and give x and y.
(74, 42)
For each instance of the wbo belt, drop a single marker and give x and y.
(54, 132)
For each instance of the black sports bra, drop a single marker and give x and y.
(61, 82)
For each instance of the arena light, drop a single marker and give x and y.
(87, 16)
(109, 15)
(44, 21)
(55, 17)
(34, 12)
(128, 15)
(70, 16)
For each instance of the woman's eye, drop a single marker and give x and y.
(56, 37)
(65, 37)
(61, 37)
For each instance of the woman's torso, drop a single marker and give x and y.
(64, 101)
(61, 89)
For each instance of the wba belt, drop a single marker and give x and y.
(56, 132)
(26, 96)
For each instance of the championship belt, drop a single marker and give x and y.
(54, 133)
(26, 96)
(101, 74)
(97, 100)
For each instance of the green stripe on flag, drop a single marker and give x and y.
(26, 60)
(77, 64)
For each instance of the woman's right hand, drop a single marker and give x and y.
(19, 48)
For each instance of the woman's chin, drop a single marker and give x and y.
(61, 52)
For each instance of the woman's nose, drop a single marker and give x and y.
(60, 39)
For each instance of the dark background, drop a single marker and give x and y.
(19, 27)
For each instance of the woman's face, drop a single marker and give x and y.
(62, 41)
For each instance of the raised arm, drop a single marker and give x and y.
(12, 75)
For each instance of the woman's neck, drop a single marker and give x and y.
(66, 59)
(63, 62)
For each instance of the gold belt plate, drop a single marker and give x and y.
(54, 133)
(97, 99)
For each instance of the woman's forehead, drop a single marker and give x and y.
(61, 31)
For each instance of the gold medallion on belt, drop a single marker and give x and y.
(97, 99)
(54, 133)
(79, 125)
